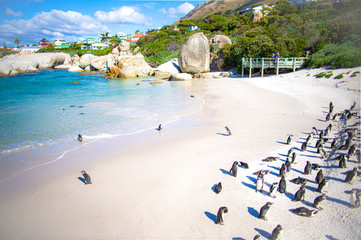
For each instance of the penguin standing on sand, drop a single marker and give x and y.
(80, 138)
(273, 189)
(308, 169)
(300, 194)
(289, 139)
(220, 215)
(331, 107)
(342, 162)
(160, 127)
(322, 184)
(282, 170)
(354, 199)
(319, 177)
(276, 233)
(218, 188)
(228, 131)
(288, 166)
(304, 146)
(264, 210)
(293, 158)
(86, 177)
(282, 185)
(334, 143)
(351, 175)
(259, 183)
(234, 169)
(358, 153)
(318, 200)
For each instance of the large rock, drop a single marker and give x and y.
(220, 41)
(75, 69)
(180, 77)
(134, 66)
(6, 70)
(217, 58)
(85, 60)
(167, 69)
(75, 59)
(194, 55)
(98, 62)
(124, 46)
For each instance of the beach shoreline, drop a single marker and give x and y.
(161, 187)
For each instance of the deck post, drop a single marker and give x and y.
(242, 66)
(262, 66)
(250, 67)
(277, 66)
(294, 64)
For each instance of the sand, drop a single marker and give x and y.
(159, 185)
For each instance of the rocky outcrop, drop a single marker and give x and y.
(213, 75)
(98, 62)
(75, 69)
(219, 41)
(167, 69)
(85, 60)
(180, 77)
(217, 58)
(130, 67)
(194, 55)
(7, 70)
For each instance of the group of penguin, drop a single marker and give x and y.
(320, 179)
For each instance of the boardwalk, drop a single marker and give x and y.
(277, 63)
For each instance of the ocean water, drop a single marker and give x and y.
(41, 114)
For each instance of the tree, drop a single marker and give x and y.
(137, 31)
(16, 41)
(104, 36)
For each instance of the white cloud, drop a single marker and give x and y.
(13, 13)
(122, 15)
(181, 10)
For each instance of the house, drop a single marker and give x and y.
(255, 9)
(157, 29)
(137, 36)
(121, 35)
(61, 44)
(193, 28)
(44, 43)
(98, 46)
(30, 49)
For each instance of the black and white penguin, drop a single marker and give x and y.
(282, 185)
(270, 159)
(264, 210)
(334, 143)
(299, 181)
(342, 162)
(273, 189)
(351, 175)
(322, 152)
(331, 107)
(80, 138)
(293, 158)
(160, 127)
(300, 194)
(315, 166)
(322, 184)
(304, 146)
(354, 199)
(218, 188)
(308, 169)
(228, 131)
(220, 215)
(309, 138)
(288, 165)
(282, 170)
(276, 233)
(257, 237)
(352, 150)
(319, 177)
(244, 165)
(86, 177)
(289, 139)
(318, 200)
(259, 183)
(305, 212)
(319, 143)
(293, 149)
(234, 169)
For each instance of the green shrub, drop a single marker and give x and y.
(328, 75)
(339, 76)
(354, 74)
(320, 75)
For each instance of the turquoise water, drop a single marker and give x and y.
(42, 113)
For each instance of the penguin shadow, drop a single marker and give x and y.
(214, 188)
(339, 201)
(251, 186)
(290, 195)
(82, 180)
(252, 179)
(211, 216)
(226, 172)
(311, 188)
(331, 237)
(309, 156)
(276, 168)
(238, 238)
(321, 120)
(307, 203)
(223, 134)
(263, 233)
(253, 212)
(336, 179)
(282, 155)
(296, 170)
(283, 143)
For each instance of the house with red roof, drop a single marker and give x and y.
(44, 43)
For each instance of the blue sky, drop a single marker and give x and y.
(72, 20)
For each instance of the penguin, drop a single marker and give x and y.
(291, 151)
(308, 169)
(334, 143)
(234, 169)
(318, 143)
(347, 144)
(300, 194)
(331, 107)
(329, 127)
(80, 138)
(354, 199)
(264, 172)
(315, 166)
(322, 152)
(282, 170)
(259, 183)
(322, 184)
(304, 146)
(257, 237)
(318, 200)
(305, 212)
(321, 135)
(271, 159)
(319, 177)
(289, 139)
(218, 188)
(282, 185)
(244, 165)
(351, 175)
(299, 181)
(294, 155)
(328, 116)
(315, 130)
(288, 166)
(309, 138)
(358, 153)
(352, 150)
(273, 189)
(220, 215)
(228, 131)
(342, 162)
(264, 210)
(276, 233)
(160, 127)
(86, 177)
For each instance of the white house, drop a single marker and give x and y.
(254, 9)
(121, 35)
(30, 49)
(96, 46)
(61, 44)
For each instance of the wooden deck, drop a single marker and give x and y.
(277, 63)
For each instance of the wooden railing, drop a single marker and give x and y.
(277, 63)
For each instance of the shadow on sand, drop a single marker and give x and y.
(253, 212)
(263, 233)
(82, 180)
(226, 172)
(211, 216)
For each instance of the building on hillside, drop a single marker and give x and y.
(193, 28)
(259, 8)
(61, 44)
(122, 36)
(44, 43)
(157, 29)
(30, 49)
(98, 46)
(137, 36)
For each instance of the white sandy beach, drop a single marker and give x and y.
(159, 185)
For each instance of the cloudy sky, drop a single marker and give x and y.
(72, 20)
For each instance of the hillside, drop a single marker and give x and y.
(211, 6)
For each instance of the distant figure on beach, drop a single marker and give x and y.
(276, 233)
(86, 177)
(80, 138)
(228, 131)
(220, 215)
(218, 188)
(159, 127)
(233, 170)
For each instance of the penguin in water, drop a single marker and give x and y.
(273, 189)
(160, 127)
(354, 199)
(300, 194)
(259, 183)
(234, 169)
(289, 139)
(228, 131)
(86, 177)
(282, 170)
(318, 200)
(264, 210)
(319, 177)
(218, 188)
(220, 215)
(276, 233)
(308, 169)
(305, 212)
(288, 166)
(322, 184)
(351, 175)
(80, 138)
(282, 185)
